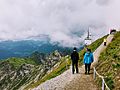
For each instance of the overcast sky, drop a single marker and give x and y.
(63, 21)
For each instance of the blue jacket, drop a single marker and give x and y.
(88, 58)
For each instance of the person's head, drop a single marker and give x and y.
(74, 49)
(88, 50)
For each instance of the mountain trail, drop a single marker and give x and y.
(80, 81)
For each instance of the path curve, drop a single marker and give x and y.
(68, 81)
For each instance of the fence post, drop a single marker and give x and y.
(94, 75)
(103, 83)
(66, 62)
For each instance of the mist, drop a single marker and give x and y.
(63, 21)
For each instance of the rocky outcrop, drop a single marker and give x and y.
(12, 78)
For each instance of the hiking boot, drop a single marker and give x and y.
(88, 72)
(77, 72)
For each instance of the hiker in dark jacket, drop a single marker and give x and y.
(74, 58)
(88, 59)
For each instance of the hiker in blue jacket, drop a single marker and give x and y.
(88, 59)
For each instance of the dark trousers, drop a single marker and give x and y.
(87, 68)
(104, 43)
(74, 65)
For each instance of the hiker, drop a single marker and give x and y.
(74, 58)
(105, 42)
(88, 59)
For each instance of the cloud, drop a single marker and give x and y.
(63, 21)
(103, 2)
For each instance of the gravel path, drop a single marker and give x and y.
(68, 81)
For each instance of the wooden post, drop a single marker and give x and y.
(66, 65)
(94, 75)
(66, 62)
(103, 83)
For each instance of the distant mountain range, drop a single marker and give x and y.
(26, 47)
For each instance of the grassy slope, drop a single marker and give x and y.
(109, 64)
(17, 62)
(56, 71)
(93, 47)
(62, 67)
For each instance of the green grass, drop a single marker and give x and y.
(109, 63)
(57, 71)
(62, 67)
(17, 62)
(21, 82)
(93, 47)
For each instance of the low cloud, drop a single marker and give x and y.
(63, 21)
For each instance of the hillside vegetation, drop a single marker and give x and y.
(36, 69)
(64, 64)
(93, 47)
(58, 69)
(109, 64)
(15, 73)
